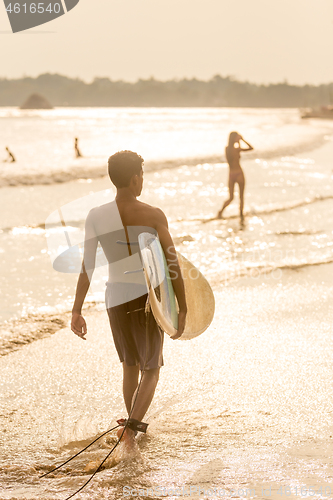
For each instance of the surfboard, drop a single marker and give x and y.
(199, 295)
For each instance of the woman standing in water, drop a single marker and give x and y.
(236, 175)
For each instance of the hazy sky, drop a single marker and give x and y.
(257, 40)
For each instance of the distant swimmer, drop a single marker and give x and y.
(10, 158)
(236, 174)
(76, 147)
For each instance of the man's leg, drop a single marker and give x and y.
(142, 401)
(130, 383)
(146, 393)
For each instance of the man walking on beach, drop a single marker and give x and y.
(116, 226)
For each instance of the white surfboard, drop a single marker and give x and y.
(199, 295)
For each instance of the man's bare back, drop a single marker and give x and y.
(136, 213)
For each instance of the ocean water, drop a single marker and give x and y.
(247, 405)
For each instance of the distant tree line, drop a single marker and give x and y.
(217, 92)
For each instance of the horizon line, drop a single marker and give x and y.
(174, 79)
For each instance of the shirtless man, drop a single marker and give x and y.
(236, 174)
(125, 301)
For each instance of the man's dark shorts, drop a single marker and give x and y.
(128, 325)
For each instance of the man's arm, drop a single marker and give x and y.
(174, 270)
(78, 324)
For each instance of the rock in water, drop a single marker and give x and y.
(36, 101)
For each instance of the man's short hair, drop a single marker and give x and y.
(122, 166)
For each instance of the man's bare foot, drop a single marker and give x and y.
(128, 437)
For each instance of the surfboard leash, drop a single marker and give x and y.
(79, 453)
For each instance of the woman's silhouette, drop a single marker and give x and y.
(236, 175)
